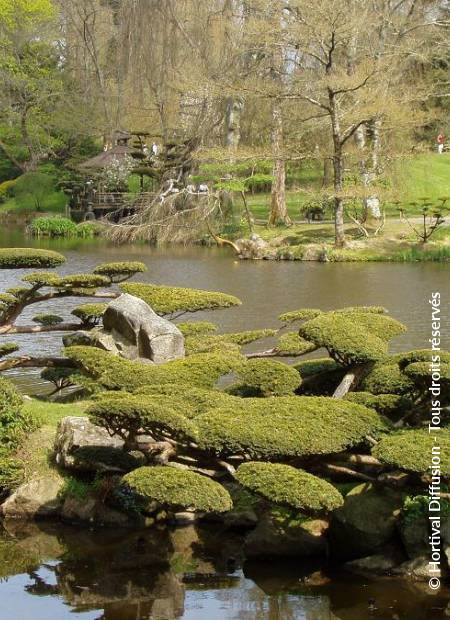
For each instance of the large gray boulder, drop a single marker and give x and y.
(366, 522)
(37, 499)
(83, 446)
(140, 333)
(285, 539)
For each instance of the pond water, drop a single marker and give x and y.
(266, 288)
(197, 574)
(49, 572)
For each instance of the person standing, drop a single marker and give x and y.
(440, 143)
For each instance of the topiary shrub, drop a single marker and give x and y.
(42, 278)
(194, 401)
(118, 272)
(197, 329)
(28, 258)
(48, 319)
(129, 415)
(293, 344)
(179, 489)
(201, 343)
(174, 300)
(7, 348)
(309, 368)
(83, 281)
(304, 314)
(269, 377)
(412, 450)
(288, 486)
(90, 314)
(290, 426)
(387, 378)
(114, 373)
(384, 404)
(352, 337)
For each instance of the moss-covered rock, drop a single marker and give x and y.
(28, 258)
(412, 450)
(179, 489)
(288, 486)
(269, 377)
(173, 300)
(281, 534)
(366, 522)
(286, 427)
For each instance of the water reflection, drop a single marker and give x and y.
(191, 573)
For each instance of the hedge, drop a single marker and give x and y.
(170, 299)
(411, 450)
(28, 258)
(269, 377)
(179, 489)
(290, 426)
(289, 486)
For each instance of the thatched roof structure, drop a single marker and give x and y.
(104, 159)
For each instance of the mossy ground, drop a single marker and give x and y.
(35, 451)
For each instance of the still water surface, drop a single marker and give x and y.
(58, 573)
(266, 288)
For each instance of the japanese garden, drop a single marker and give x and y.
(224, 313)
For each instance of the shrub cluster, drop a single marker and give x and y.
(176, 488)
(269, 377)
(288, 486)
(28, 258)
(289, 426)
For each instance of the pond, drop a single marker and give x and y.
(266, 288)
(188, 573)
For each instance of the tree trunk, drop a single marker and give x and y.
(278, 208)
(327, 172)
(338, 169)
(233, 114)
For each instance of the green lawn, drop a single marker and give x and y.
(412, 179)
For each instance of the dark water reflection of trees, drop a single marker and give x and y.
(189, 573)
